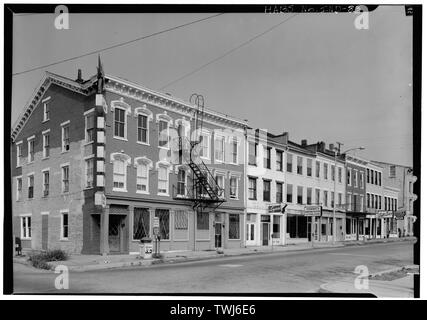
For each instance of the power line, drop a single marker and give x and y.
(226, 53)
(117, 45)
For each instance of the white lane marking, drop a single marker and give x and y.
(231, 265)
(353, 255)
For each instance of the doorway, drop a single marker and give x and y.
(116, 234)
(250, 234)
(218, 235)
(265, 233)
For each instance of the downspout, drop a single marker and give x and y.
(245, 201)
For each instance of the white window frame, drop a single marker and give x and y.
(126, 161)
(235, 140)
(87, 159)
(219, 137)
(120, 104)
(19, 194)
(18, 154)
(43, 181)
(64, 125)
(34, 184)
(237, 177)
(27, 228)
(164, 117)
(29, 140)
(62, 212)
(46, 104)
(143, 111)
(44, 134)
(349, 173)
(208, 136)
(222, 175)
(62, 178)
(87, 114)
(165, 165)
(183, 168)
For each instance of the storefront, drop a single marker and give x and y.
(264, 229)
(356, 226)
(298, 226)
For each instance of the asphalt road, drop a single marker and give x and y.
(284, 272)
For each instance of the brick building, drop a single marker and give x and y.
(95, 161)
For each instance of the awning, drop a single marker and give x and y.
(356, 214)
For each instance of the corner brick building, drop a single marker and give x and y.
(95, 162)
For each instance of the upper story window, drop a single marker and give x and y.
(317, 196)
(299, 165)
(31, 144)
(219, 148)
(46, 144)
(163, 182)
(309, 195)
(361, 182)
(65, 178)
(332, 172)
(163, 133)
(309, 167)
(65, 128)
(279, 192)
(234, 187)
(90, 127)
(46, 109)
(299, 195)
(349, 176)
(289, 197)
(339, 174)
(267, 189)
(120, 122)
(279, 160)
(355, 180)
(142, 128)
(120, 163)
(181, 185)
(379, 178)
(142, 165)
(317, 169)
(368, 176)
(205, 149)
(18, 188)
(19, 154)
(234, 150)
(267, 158)
(89, 163)
(219, 179)
(392, 172)
(325, 198)
(253, 153)
(325, 171)
(289, 158)
(252, 190)
(30, 186)
(45, 183)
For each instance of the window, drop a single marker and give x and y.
(64, 225)
(120, 122)
(368, 177)
(368, 199)
(289, 162)
(267, 158)
(142, 128)
(31, 150)
(234, 150)
(379, 178)
(339, 199)
(252, 153)
(299, 195)
(163, 185)
(142, 178)
(30, 186)
(279, 160)
(355, 180)
(317, 169)
(392, 172)
(252, 188)
(376, 178)
(119, 174)
(299, 165)
(46, 111)
(181, 220)
(279, 192)
(26, 227)
(289, 197)
(45, 183)
(90, 127)
(205, 146)
(234, 226)
(46, 147)
(19, 154)
(309, 192)
(266, 193)
(141, 223)
(221, 184)
(361, 180)
(163, 215)
(18, 189)
(379, 202)
(325, 171)
(349, 177)
(219, 148)
(89, 173)
(325, 198)
(163, 133)
(181, 182)
(339, 175)
(202, 221)
(332, 172)
(65, 179)
(332, 199)
(233, 187)
(65, 138)
(317, 191)
(376, 202)
(309, 167)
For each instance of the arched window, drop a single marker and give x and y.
(163, 168)
(143, 165)
(120, 162)
(144, 116)
(121, 110)
(164, 121)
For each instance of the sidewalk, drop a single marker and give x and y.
(98, 262)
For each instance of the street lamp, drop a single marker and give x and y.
(334, 226)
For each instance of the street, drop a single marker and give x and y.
(284, 272)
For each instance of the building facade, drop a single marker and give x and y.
(96, 164)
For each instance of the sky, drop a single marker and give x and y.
(315, 76)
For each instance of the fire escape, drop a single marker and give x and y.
(204, 190)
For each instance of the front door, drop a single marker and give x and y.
(265, 234)
(45, 230)
(115, 233)
(250, 234)
(218, 235)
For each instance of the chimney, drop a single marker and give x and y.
(79, 76)
(321, 145)
(286, 137)
(304, 142)
(331, 146)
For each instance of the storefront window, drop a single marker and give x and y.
(276, 227)
(234, 226)
(163, 215)
(141, 223)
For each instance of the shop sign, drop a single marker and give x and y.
(275, 208)
(156, 222)
(313, 211)
(265, 218)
